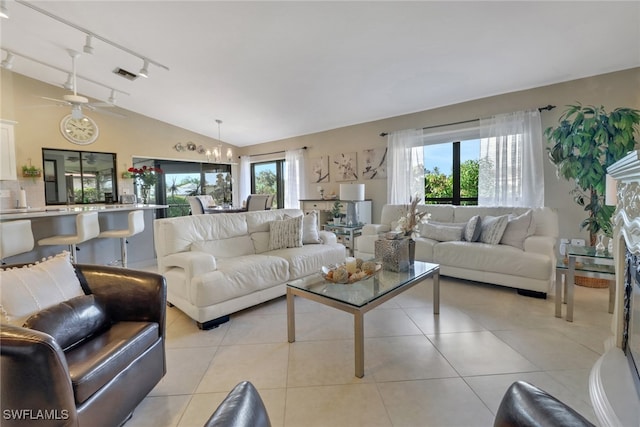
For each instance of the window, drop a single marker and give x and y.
(451, 172)
(267, 178)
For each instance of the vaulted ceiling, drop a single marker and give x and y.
(272, 70)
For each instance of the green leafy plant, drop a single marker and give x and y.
(335, 210)
(31, 171)
(587, 140)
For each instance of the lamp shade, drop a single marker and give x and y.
(611, 191)
(352, 192)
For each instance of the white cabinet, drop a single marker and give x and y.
(8, 169)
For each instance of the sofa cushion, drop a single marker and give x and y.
(310, 228)
(234, 278)
(309, 259)
(501, 259)
(518, 229)
(493, 229)
(442, 233)
(30, 289)
(226, 248)
(285, 233)
(97, 361)
(72, 321)
(473, 229)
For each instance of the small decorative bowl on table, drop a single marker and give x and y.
(348, 273)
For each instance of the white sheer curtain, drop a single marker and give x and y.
(405, 166)
(294, 178)
(244, 184)
(511, 171)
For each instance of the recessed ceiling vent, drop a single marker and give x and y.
(126, 74)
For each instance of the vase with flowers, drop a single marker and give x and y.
(145, 177)
(411, 218)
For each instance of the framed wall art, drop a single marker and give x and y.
(319, 169)
(374, 163)
(345, 167)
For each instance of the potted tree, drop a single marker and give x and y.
(588, 140)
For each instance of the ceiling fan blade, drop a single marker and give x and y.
(101, 104)
(61, 101)
(109, 113)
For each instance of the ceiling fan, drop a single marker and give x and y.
(77, 102)
(90, 159)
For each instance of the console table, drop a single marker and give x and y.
(323, 206)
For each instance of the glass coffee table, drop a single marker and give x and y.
(360, 297)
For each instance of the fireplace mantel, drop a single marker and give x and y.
(614, 397)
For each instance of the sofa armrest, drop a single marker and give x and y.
(193, 263)
(128, 295)
(35, 376)
(370, 229)
(327, 237)
(544, 245)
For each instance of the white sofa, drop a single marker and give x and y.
(531, 269)
(217, 264)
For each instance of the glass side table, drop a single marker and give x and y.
(346, 234)
(582, 261)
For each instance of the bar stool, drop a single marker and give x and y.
(16, 238)
(136, 225)
(87, 228)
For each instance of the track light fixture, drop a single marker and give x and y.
(8, 61)
(87, 45)
(144, 71)
(4, 12)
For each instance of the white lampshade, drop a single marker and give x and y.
(352, 192)
(611, 191)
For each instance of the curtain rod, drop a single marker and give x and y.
(541, 109)
(273, 152)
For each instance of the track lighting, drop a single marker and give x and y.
(112, 98)
(87, 46)
(4, 12)
(76, 111)
(8, 61)
(144, 71)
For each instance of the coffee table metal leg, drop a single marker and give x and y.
(291, 316)
(558, 294)
(436, 292)
(571, 277)
(358, 323)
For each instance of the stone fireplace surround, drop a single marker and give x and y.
(614, 396)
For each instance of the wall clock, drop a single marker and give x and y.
(83, 131)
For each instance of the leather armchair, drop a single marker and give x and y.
(243, 407)
(525, 405)
(100, 380)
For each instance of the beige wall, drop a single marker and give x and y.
(141, 136)
(620, 89)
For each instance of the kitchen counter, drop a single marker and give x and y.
(28, 213)
(60, 219)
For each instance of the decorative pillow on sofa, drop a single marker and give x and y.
(442, 232)
(310, 228)
(27, 290)
(472, 229)
(493, 229)
(286, 233)
(518, 229)
(70, 322)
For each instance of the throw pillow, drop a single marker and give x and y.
(70, 322)
(518, 229)
(286, 233)
(493, 228)
(442, 233)
(310, 228)
(27, 290)
(472, 229)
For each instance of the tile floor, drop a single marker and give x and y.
(420, 369)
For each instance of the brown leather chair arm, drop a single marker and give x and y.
(128, 295)
(35, 377)
(243, 407)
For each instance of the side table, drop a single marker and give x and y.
(593, 264)
(346, 234)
